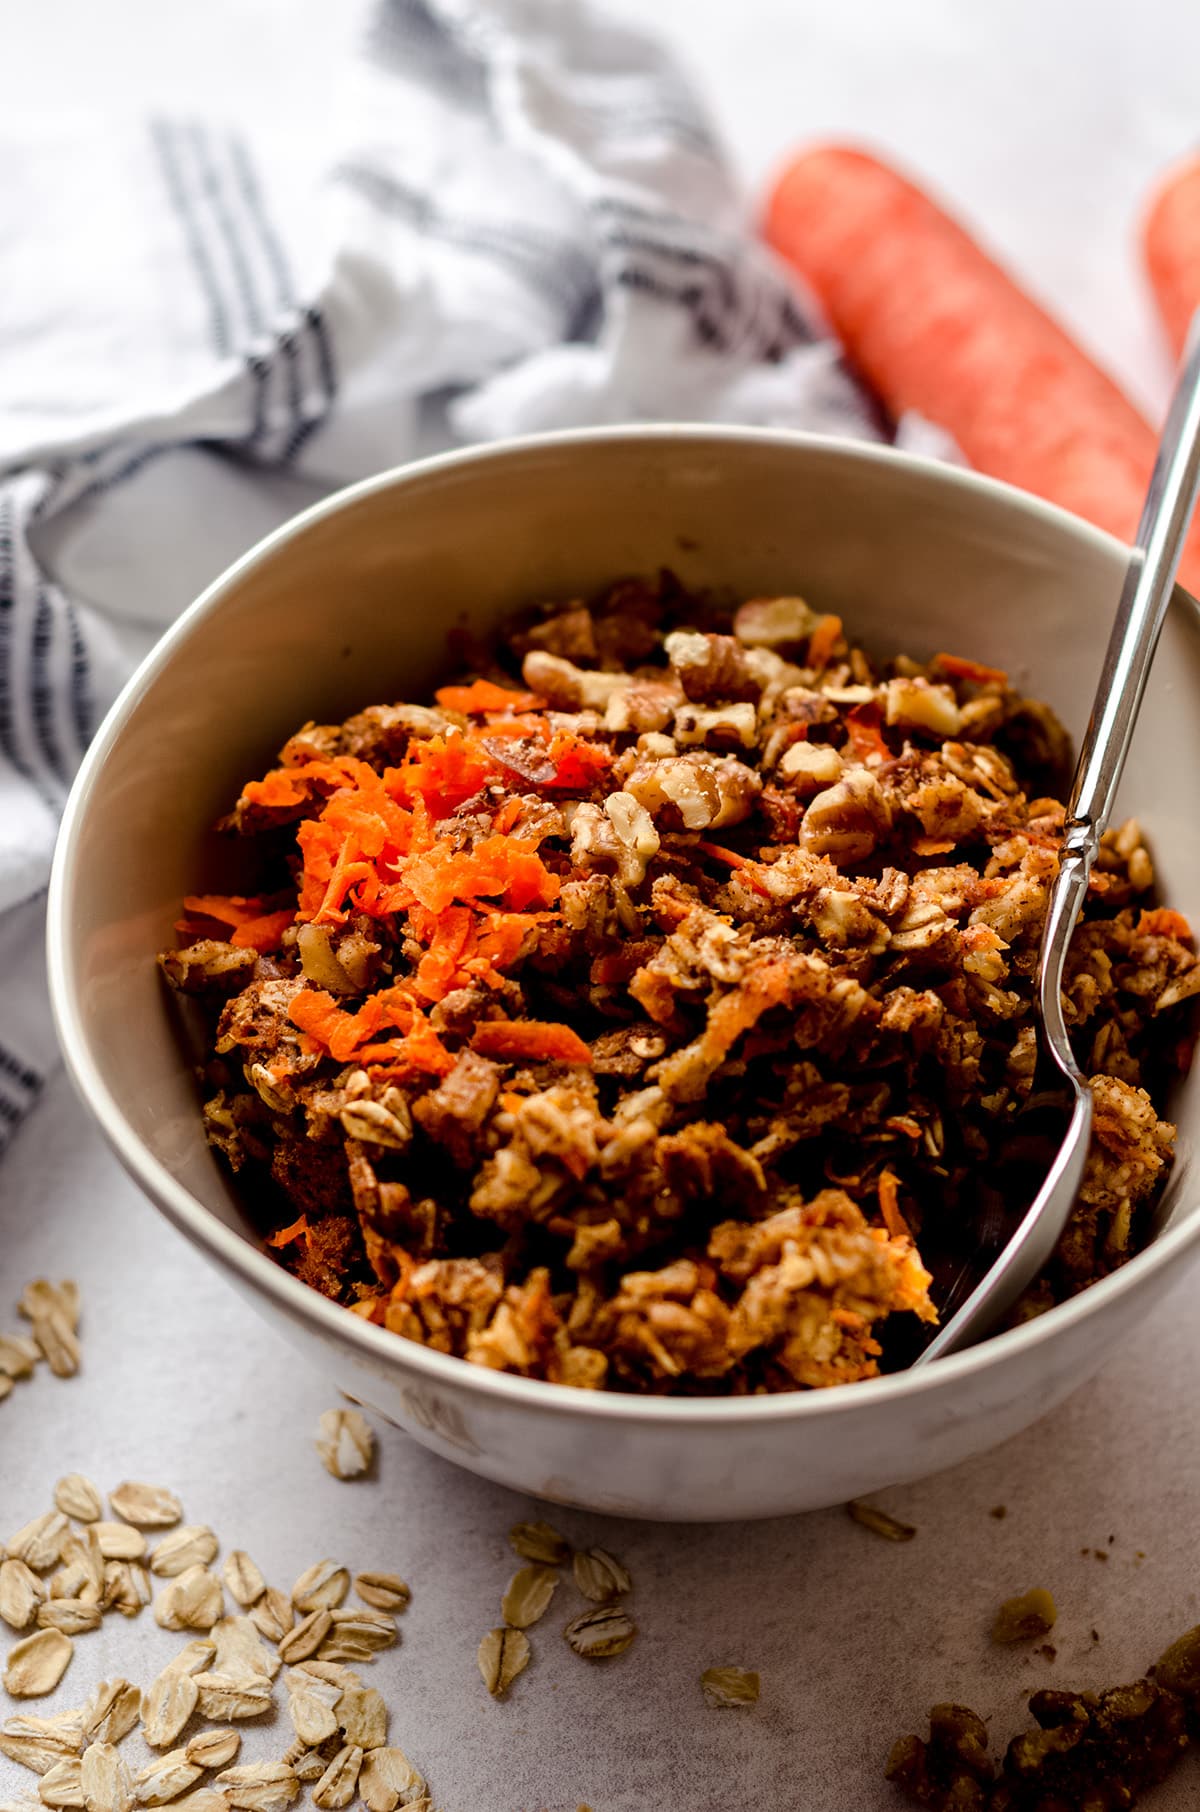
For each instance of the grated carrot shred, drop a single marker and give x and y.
(482, 696)
(531, 1040)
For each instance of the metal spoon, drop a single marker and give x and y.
(1166, 515)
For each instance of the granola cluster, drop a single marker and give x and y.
(655, 1009)
(1086, 1752)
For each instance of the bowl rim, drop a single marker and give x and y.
(378, 1346)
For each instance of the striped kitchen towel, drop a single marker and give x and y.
(516, 218)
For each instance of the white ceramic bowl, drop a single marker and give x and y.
(350, 604)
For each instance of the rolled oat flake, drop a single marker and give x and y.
(528, 1596)
(599, 1576)
(502, 1655)
(539, 1542)
(729, 1686)
(597, 1635)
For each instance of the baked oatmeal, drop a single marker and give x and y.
(654, 1009)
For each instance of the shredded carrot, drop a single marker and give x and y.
(506, 866)
(974, 672)
(482, 696)
(825, 638)
(265, 933)
(444, 772)
(889, 1206)
(1161, 921)
(932, 846)
(286, 1236)
(719, 853)
(863, 734)
(226, 908)
(537, 1041)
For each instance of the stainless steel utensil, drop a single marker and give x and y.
(1166, 515)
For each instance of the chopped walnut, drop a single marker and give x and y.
(703, 792)
(848, 819)
(711, 668)
(917, 704)
(567, 687)
(723, 727)
(810, 766)
(774, 623)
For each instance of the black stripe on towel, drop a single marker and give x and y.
(163, 138)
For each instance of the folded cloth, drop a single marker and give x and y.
(517, 219)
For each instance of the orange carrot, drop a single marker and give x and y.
(482, 696)
(1171, 246)
(937, 327)
(863, 734)
(889, 1206)
(286, 1235)
(825, 638)
(226, 908)
(529, 1040)
(265, 933)
(1160, 921)
(973, 672)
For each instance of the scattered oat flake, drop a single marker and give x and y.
(729, 1686)
(119, 1541)
(599, 1575)
(21, 1592)
(244, 1580)
(150, 1506)
(386, 1775)
(259, 1786)
(111, 1711)
(311, 1710)
(306, 1638)
(166, 1777)
(321, 1587)
(38, 1743)
(363, 1717)
(37, 1663)
(382, 1591)
(62, 1785)
(345, 1442)
(879, 1522)
(193, 1601)
(6, 1385)
(597, 1635)
(105, 1779)
(167, 1706)
(126, 1587)
(224, 1696)
(202, 1799)
(40, 1543)
(1024, 1618)
(59, 1343)
(41, 1297)
(272, 1614)
(212, 1748)
(76, 1496)
(527, 1597)
(193, 1545)
(539, 1542)
(70, 1615)
(18, 1356)
(337, 1786)
(503, 1654)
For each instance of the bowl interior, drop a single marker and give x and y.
(352, 605)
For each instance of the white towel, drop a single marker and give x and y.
(517, 218)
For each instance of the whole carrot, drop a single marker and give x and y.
(936, 326)
(1171, 244)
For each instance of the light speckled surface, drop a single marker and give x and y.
(1030, 128)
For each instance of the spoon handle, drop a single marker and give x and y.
(1166, 515)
